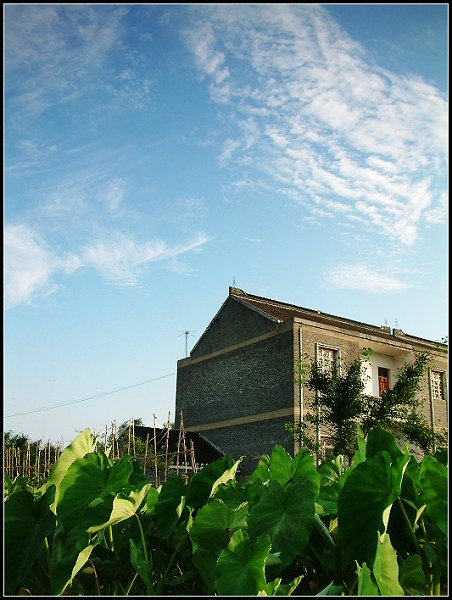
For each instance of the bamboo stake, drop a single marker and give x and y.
(113, 439)
(47, 471)
(192, 456)
(183, 441)
(146, 452)
(178, 443)
(128, 443)
(166, 448)
(155, 456)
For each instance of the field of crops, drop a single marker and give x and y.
(97, 526)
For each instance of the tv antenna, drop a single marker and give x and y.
(186, 333)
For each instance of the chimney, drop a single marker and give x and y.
(233, 291)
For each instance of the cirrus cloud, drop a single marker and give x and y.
(330, 127)
(363, 279)
(31, 267)
(122, 260)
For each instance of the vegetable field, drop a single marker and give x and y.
(98, 527)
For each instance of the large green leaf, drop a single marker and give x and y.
(227, 476)
(205, 561)
(142, 567)
(262, 471)
(433, 479)
(412, 577)
(201, 483)
(379, 440)
(86, 497)
(169, 506)
(277, 588)
(240, 569)
(366, 583)
(83, 444)
(331, 481)
(331, 589)
(67, 560)
(386, 569)
(286, 515)
(27, 523)
(123, 508)
(365, 501)
(215, 524)
(286, 470)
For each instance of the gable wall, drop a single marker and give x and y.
(233, 324)
(241, 381)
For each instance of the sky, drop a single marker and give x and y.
(156, 154)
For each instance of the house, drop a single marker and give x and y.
(237, 386)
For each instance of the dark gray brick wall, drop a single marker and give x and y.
(251, 440)
(233, 325)
(253, 379)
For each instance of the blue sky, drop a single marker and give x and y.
(157, 154)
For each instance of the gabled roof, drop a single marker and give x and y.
(279, 312)
(282, 311)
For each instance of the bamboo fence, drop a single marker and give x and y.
(35, 460)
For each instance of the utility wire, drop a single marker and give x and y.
(28, 412)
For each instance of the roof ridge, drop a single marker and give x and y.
(241, 293)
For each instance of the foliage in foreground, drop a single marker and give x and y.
(97, 527)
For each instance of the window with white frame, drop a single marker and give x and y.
(437, 385)
(327, 358)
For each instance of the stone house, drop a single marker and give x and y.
(237, 386)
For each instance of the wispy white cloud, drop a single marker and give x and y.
(31, 267)
(363, 279)
(33, 270)
(114, 194)
(63, 56)
(330, 128)
(124, 261)
(209, 60)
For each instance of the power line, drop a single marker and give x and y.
(28, 412)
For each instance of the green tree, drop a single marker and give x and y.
(15, 440)
(339, 404)
(125, 440)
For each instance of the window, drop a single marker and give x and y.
(437, 385)
(383, 380)
(327, 359)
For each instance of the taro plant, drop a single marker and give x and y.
(97, 527)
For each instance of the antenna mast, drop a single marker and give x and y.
(186, 333)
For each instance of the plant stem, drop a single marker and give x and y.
(143, 541)
(407, 520)
(95, 576)
(111, 539)
(168, 568)
(149, 587)
(49, 563)
(129, 587)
